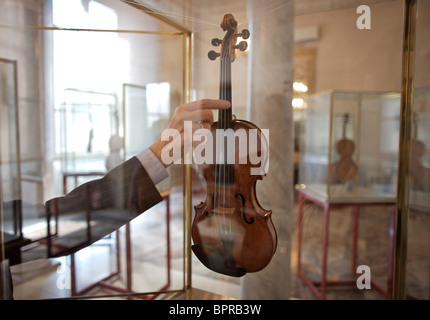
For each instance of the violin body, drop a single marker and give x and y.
(345, 168)
(232, 233)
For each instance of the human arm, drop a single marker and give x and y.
(129, 189)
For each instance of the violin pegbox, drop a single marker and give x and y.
(228, 44)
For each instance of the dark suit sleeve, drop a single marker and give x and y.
(104, 204)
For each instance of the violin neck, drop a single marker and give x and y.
(345, 122)
(225, 172)
(225, 120)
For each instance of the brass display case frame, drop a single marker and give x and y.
(403, 186)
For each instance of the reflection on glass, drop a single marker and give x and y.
(146, 114)
(86, 121)
(418, 260)
(418, 232)
(10, 188)
(72, 118)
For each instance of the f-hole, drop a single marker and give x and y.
(250, 221)
(209, 215)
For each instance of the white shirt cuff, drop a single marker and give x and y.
(153, 166)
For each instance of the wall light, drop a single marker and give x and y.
(300, 87)
(297, 103)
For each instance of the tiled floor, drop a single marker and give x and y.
(46, 279)
(372, 250)
(149, 263)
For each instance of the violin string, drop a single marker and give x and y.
(220, 152)
(224, 140)
(219, 141)
(228, 116)
(217, 167)
(225, 163)
(227, 181)
(228, 125)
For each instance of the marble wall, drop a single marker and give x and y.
(270, 83)
(262, 81)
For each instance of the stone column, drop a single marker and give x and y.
(269, 105)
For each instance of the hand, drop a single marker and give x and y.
(199, 112)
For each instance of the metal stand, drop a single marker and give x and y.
(318, 288)
(104, 283)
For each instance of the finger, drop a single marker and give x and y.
(206, 125)
(206, 104)
(197, 126)
(202, 125)
(182, 116)
(199, 116)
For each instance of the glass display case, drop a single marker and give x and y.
(99, 79)
(72, 103)
(341, 157)
(10, 172)
(420, 153)
(418, 195)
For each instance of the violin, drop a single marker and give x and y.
(231, 232)
(344, 168)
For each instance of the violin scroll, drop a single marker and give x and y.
(228, 23)
(228, 44)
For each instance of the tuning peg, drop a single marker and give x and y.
(216, 42)
(213, 55)
(242, 46)
(245, 34)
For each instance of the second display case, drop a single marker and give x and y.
(349, 146)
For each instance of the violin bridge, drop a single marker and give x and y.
(223, 210)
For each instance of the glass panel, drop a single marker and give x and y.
(315, 137)
(146, 109)
(418, 237)
(10, 188)
(224, 205)
(105, 15)
(97, 87)
(349, 59)
(86, 122)
(81, 119)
